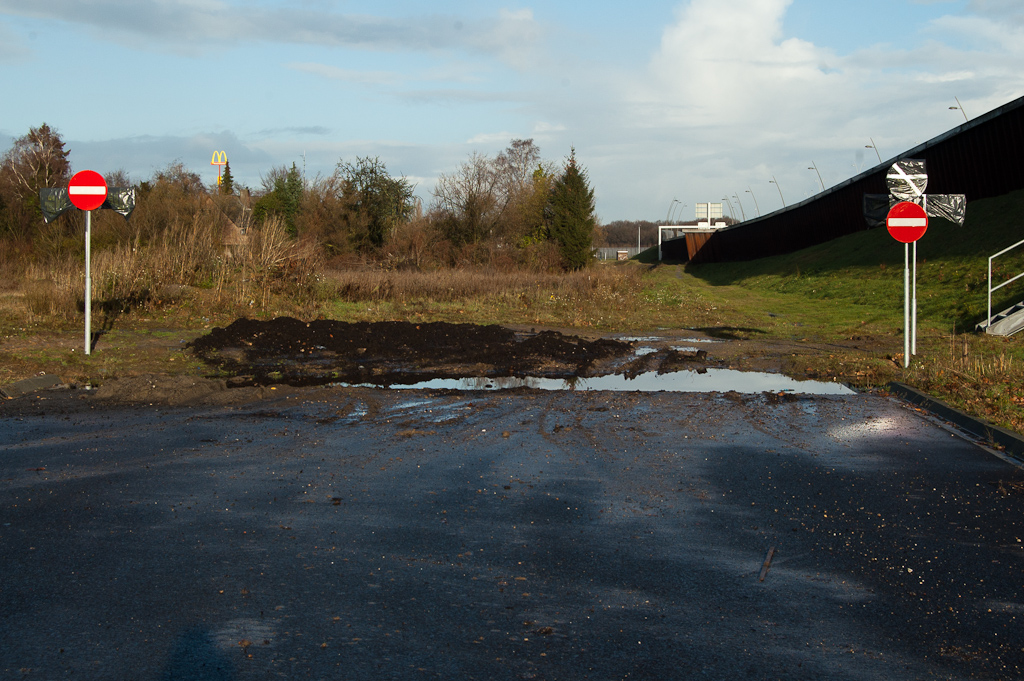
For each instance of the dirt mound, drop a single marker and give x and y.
(287, 350)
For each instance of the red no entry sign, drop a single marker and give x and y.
(87, 190)
(907, 222)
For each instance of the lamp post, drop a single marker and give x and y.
(732, 211)
(959, 106)
(751, 192)
(739, 203)
(775, 182)
(669, 213)
(814, 167)
(872, 146)
(680, 209)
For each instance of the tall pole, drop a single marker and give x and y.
(913, 307)
(814, 167)
(776, 183)
(906, 305)
(751, 192)
(676, 216)
(743, 213)
(875, 148)
(674, 202)
(959, 106)
(88, 282)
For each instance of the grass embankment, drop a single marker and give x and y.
(852, 289)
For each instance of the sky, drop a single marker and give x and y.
(667, 103)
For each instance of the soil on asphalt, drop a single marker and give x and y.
(254, 357)
(297, 353)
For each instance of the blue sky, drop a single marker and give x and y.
(687, 100)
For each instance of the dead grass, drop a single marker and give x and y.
(976, 373)
(447, 285)
(180, 263)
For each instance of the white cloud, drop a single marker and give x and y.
(728, 101)
(490, 138)
(542, 127)
(199, 26)
(515, 37)
(950, 77)
(726, 64)
(999, 10)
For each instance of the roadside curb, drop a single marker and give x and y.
(1011, 443)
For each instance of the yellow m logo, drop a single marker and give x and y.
(220, 158)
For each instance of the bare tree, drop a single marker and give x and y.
(492, 198)
(466, 201)
(35, 161)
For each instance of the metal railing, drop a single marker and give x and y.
(991, 289)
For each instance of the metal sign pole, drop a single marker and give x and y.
(906, 305)
(88, 283)
(913, 314)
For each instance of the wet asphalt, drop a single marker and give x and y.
(365, 534)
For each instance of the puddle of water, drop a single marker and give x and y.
(640, 352)
(684, 348)
(656, 339)
(713, 380)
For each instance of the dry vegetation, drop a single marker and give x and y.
(191, 258)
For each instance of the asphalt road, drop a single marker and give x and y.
(361, 534)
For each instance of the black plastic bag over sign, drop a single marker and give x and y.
(55, 201)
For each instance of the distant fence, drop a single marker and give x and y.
(981, 159)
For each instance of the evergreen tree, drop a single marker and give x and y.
(282, 199)
(572, 215)
(227, 183)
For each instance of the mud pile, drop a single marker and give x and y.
(287, 350)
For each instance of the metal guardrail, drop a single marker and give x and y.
(991, 289)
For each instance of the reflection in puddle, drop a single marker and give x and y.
(640, 352)
(713, 380)
(657, 339)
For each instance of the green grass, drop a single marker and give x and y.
(863, 272)
(847, 294)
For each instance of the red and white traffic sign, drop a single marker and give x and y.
(87, 190)
(907, 222)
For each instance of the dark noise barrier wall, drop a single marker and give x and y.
(981, 158)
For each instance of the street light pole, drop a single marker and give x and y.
(751, 192)
(872, 146)
(674, 202)
(739, 203)
(732, 211)
(814, 167)
(959, 106)
(775, 182)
